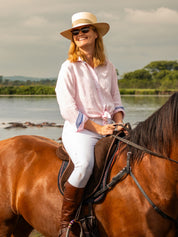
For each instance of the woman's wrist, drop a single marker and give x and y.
(118, 117)
(120, 122)
(92, 126)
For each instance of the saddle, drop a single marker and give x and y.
(104, 155)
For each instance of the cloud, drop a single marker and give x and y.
(35, 21)
(138, 37)
(147, 27)
(159, 16)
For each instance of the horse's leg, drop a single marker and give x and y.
(7, 225)
(22, 228)
(15, 227)
(4, 230)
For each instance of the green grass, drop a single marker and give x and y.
(35, 234)
(125, 91)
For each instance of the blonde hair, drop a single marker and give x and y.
(99, 57)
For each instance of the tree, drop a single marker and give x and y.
(1, 79)
(140, 74)
(157, 66)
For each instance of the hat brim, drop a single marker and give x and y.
(101, 27)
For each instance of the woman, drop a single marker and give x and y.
(89, 100)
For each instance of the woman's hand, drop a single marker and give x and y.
(107, 129)
(100, 129)
(121, 127)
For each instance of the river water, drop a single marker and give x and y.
(38, 109)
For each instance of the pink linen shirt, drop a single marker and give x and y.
(84, 92)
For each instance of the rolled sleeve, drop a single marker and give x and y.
(81, 119)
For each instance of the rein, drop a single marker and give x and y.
(138, 146)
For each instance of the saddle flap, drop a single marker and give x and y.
(104, 150)
(62, 153)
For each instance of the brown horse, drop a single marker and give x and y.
(30, 199)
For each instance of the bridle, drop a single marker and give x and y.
(127, 170)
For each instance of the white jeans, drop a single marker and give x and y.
(80, 147)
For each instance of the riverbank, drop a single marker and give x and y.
(50, 90)
(30, 124)
(146, 91)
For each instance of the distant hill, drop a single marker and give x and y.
(23, 78)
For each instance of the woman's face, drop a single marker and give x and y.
(86, 37)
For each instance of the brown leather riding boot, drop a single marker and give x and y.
(71, 201)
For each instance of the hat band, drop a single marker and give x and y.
(84, 21)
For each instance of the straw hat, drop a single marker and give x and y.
(85, 18)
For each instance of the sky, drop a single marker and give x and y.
(141, 31)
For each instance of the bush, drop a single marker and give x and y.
(27, 90)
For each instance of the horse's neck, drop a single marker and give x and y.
(158, 177)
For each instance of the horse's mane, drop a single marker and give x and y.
(158, 131)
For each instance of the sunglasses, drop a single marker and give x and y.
(83, 30)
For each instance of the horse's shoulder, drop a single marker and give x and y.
(45, 140)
